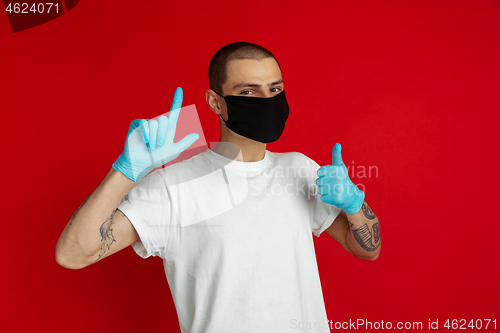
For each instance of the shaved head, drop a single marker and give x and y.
(217, 70)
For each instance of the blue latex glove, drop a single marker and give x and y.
(335, 186)
(150, 143)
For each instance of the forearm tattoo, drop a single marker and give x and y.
(369, 240)
(107, 237)
(368, 212)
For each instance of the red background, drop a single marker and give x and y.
(411, 87)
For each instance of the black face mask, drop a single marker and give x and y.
(258, 118)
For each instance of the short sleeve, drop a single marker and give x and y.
(323, 214)
(148, 208)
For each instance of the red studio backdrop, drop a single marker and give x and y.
(409, 88)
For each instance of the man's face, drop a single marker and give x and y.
(247, 77)
(253, 78)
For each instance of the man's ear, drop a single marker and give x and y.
(213, 101)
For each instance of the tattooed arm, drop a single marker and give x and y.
(358, 234)
(97, 229)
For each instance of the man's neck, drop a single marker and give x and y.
(241, 149)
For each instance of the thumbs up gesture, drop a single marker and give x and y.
(336, 188)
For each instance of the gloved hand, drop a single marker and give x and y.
(150, 143)
(335, 186)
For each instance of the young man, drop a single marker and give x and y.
(234, 224)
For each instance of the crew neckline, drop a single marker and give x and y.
(248, 169)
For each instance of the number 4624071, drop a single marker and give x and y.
(473, 324)
(24, 8)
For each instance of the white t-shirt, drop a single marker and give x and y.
(236, 241)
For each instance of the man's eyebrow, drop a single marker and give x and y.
(277, 82)
(248, 84)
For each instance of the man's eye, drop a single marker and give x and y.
(277, 89)
(246, 92)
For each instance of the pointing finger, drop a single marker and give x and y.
(177, 102)
(173, 115)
